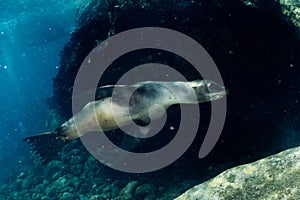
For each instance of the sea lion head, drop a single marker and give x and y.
(208, 90)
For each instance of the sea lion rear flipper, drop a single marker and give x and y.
(47, 145)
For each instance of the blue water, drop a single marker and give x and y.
(32, 33)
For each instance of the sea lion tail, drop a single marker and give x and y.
(47, 145)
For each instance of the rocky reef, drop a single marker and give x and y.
(77, 175)
(255, 46)
(274, 177)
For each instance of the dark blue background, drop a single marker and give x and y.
(32, 33)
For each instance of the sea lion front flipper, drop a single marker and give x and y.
(144, 121)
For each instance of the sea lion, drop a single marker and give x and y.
(127, 104)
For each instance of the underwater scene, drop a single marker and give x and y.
(150, 99)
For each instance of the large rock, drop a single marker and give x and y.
(291, 8)
(274, 177)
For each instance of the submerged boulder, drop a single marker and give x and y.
(291, 8)
(274, 177)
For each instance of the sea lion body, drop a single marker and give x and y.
(127, 104)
